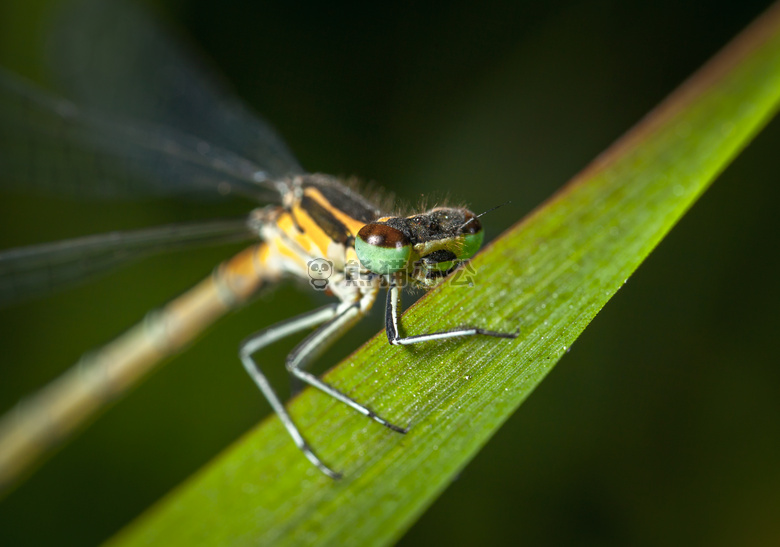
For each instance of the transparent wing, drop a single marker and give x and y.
(40, 269)
(52, 144)
(142, 117)
(113, 57)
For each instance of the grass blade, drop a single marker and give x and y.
(548, 276)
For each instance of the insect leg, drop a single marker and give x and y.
(265, 337)
(319, 341)
(391, 325)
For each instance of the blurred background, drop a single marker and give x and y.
(662, 426)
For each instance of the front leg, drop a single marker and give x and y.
(391, 325)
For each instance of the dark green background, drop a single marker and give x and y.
(662, 426)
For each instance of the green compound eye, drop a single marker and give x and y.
(471, 244)
(472, 235)
(383, 249)
(464, 247)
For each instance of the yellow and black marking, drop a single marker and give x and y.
(314, 218)
(322, 219)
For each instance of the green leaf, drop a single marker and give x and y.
(548, 277)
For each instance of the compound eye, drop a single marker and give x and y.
(472, 225)
(382, 249)
(472, 235)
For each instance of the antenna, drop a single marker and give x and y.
(484, 213)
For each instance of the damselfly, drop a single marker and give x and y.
(171, 137)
